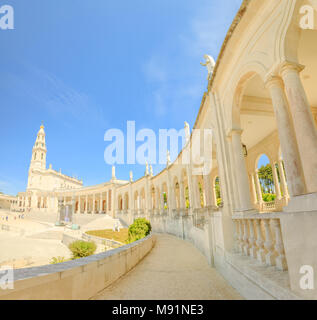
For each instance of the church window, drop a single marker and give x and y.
(35, 156)
(42, 156)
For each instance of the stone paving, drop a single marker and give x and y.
(174, 269)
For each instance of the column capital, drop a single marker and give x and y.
(288, 66)
(274, 81)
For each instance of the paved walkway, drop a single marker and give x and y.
(174, 269)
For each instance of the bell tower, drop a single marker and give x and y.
(39, 150)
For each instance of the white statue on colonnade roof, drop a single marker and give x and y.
(210, 64)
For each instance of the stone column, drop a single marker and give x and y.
(287, 137)
(190, 186)
(79, 205)
(241, 171)
(196, 193)
(94, 203)
(162, 200)
(283, 179)
(208, 190)
(100, 203)
(86, 204)
(182, 204)
(255, 199)
(41, 205)
(258, 186)
(305, 130)
(73, 208)
(276, 182)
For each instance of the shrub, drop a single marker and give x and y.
(139, 229)
(58, 259)
(81, 249)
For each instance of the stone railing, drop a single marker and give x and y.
(200, 217)
(164, 212)
(107, 242)
(259, 236)
(274, 206)
(176, 213)
(79, 279)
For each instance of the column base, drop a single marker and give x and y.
(303, 203)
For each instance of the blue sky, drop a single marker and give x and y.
(84, 67)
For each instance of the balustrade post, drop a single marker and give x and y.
(260, 242)
(246, 246)
(268, 244)
(236, 235)
(281, 263)
(241, 237)
(253, 248)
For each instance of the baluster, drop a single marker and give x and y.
(269, 258)
(241, 237)
(279, 246)
(246, 246)
(259, 242)
(236, 235)
(253, 248)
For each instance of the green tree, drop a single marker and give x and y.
(218, 192)
(139, 229)
(266, 179)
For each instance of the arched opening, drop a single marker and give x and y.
(266, 188)
(153, 198)
(217, 192)
(165, 196)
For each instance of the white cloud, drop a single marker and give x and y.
(53, 95)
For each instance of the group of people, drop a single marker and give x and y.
(20, 216)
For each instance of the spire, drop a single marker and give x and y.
(39, 150)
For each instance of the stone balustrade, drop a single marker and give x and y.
(259, 236)
(274, 206)
(77, 279)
